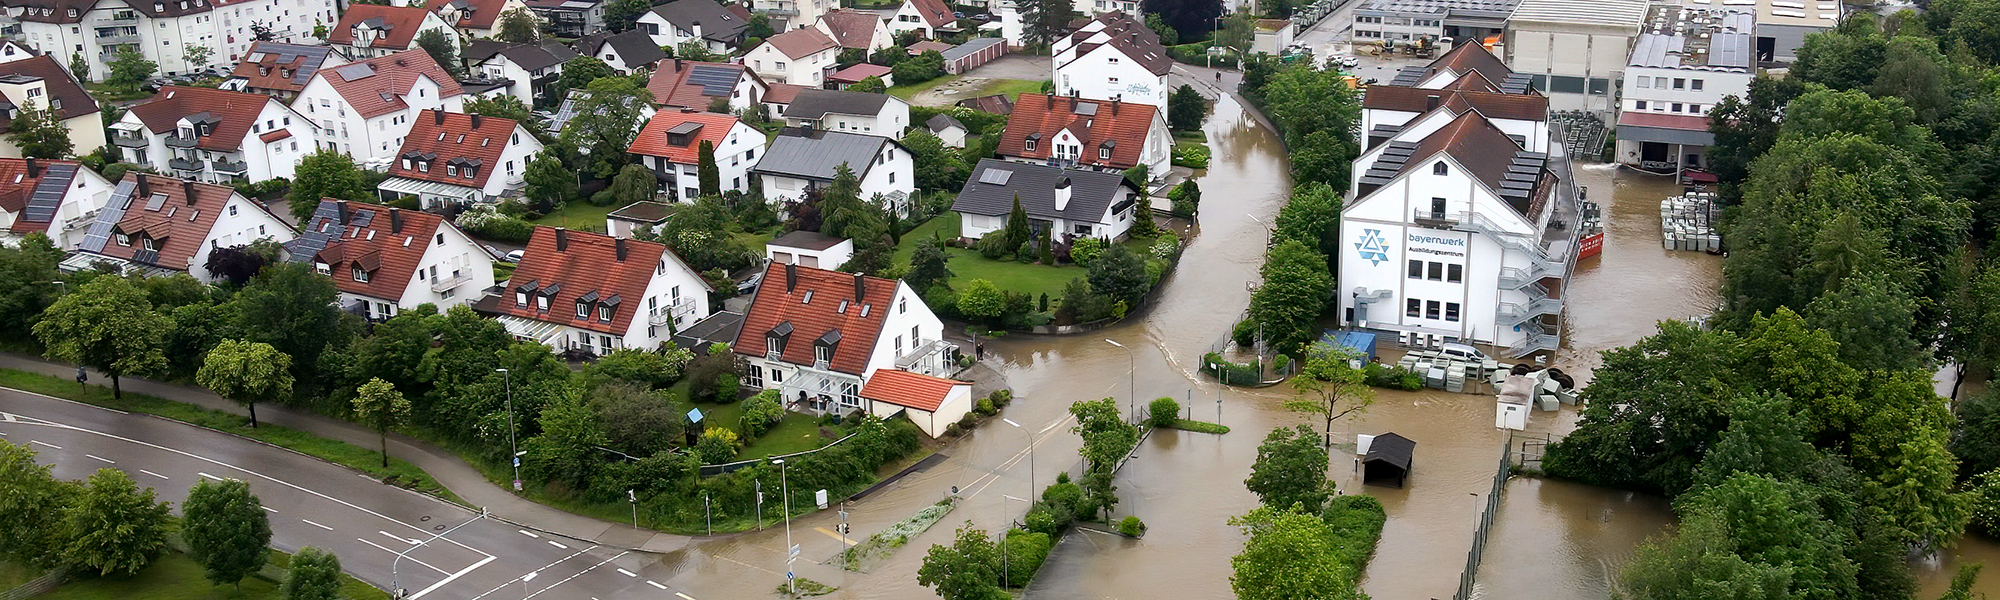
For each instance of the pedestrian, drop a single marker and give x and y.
(1218, 77)
(979, 350)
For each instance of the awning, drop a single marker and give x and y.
(539, 331)
(1665, 136)
(414, 187)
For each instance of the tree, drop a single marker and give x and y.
(1107, 438)
(759, 26)
(1295, 291)
(1873, 319)
(1290, 472)
(506, 107)
(378, 404)
(28, 272)
(519, 26)
(40, 134)
(549, 183)
(1325, 384)
(326, 173)
(565, 450)
(129, 70)
(928, 266)
(1290, 555)
(226, 529)
(197, 56)
(606, 122)
(235, 264)
(982, 299)
(1651, 409)
(1746, 127)
(442, 49)
(695, 50)
(1186, 108)
(107, 325)
(577, 75)
(634, 183)
(1168, 35)
(1914, 70)
(1190, 19)
(1238, 33)
(1042, 21)
(33, 499)
(1186, 199)
(1120, 274)
(292, 307)
(1844, 58)
(79, 66)
(314, 574)
(869, 85)
(115, 527)
(938, 167)
(918, 69)
(969, 569)
(621, 15)
(708, 174)
(245, 372)
(1977, 26)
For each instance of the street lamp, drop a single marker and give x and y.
(513, 448)
(790, 550)
(1132, 365)
(524, 583)
(1031, 455)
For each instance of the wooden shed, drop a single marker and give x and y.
(1388, 459)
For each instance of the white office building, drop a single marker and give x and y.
(1688, 60)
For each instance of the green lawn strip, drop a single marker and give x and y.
(1012, 88)
(579, 215)
(333, 451)
(1191, 136)
(796, 433)
(882, 543)
(13, 575)
(176, 577)
(754, 240)
(1200, 426)
(967, 265)
(908, 91)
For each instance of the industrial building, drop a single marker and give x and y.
(1409, 20)
(1686, 61)
(1575, 50)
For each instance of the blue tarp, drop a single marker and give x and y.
(1361, 343)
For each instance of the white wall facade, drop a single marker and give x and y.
(671, 35)
(241, 222)
(367, 140)
(676, 298)
(260, 160)
(86, 132)
(1578, 67)
(907, 18)
(113, 24)
(909, 326)
(956, 403)
(734, 158)
(891, 122)
(1111, 226)
(1535, 133)
(773, 65)
(1104, 73)
(829, 258)
(1696, 91)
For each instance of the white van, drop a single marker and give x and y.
(1462, 352)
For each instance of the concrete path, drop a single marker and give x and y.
(449, 470)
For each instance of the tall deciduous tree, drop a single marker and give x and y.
(622, 15)
(550, 184)
(292, 308)
(1844, 58)
(968, 569)
(29, 282)
(1290, 556)
(606, 121)
(577, 75)
(107, 325)
(505, 107)
(1120, 273)
(325, 173)
(40, 134)
(1190, 19)
(1294, 293)
(1186, 109)
(115, 527)
(32, 502)
(442, 49)
(378, 404)
(1746, 127)
(982, 300)
(1043, 20)
(246, 372)
(928, 267)
(1290, 471)
(197, 56)
(226, 530)
(519, 26)
(79, 66)
(129, 69)
(565, 450)
(938, 167)
(314, 574)
(708, 174)
(634, 183)
(1326, 385)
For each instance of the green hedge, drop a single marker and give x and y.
(1356, 522)
(1197, 54)
(1393, 377)
(1192, 155)
(1232, 373)
(1025, 551)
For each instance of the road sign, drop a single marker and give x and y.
(517, 461)
(795, 551)
(788, 575)
(820, 496)
(517, 485)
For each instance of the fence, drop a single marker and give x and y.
(1465, 579)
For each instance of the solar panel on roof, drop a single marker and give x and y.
(995, 176)
(714, 81)
(48, 194)
(1086, 109)
(100, 231)
(362, 218)
(355, 71)
(146, 256)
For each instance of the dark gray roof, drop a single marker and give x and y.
(995, 183)
(477, 50)
(941, 121)
(644, 211)
(286, 53)
(814, 103)
(717, 23)
(634, 46)
(968, 48)
(719, 327)
(811, 240)
(540, 56)
(1391, 449)
(816, 154)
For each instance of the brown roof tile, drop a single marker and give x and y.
(913, 390)
(1524, 107)
(813, 307)
(178, 227)
(446, 139)
(588, 263)
(472, 14)
(1482, 149)
(670, 87)
(62, 87)
(851, 28)
(388, 248)
(231, 113)
(935, 12)
(783, 93)
(402, 23)
(653, 140)
(800, 43)
(378, 88)
(1123, 123)
(1467, 58)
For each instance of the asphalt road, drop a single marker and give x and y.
(314, 503)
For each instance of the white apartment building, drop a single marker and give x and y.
(155, 225)
(364, 109)
(797, 14)
(371, 30)
(670, 145)
(387, 260)
(456, 158)
(798, 57)
(592, 293)
(817, 336)
(1113, 57)
(216, 136)
(164, 30)
(1688, 60)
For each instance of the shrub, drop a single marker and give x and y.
(953, 429)
(1232, 373)
(993, 245)
(1163, 412)
(1025, 552)
(1085, 250)
(717, 446)
(985, 407)
(1041, 520)
(761, 413)
(486, 223)
(1245, 333)
(1167, 246)
(726, 387)
(1357, 520)
(1001, 397)
(1193, 156)
(968, 422)
(1393, 377)
(1131, 526)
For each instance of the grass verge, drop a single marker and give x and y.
(796, 433)
(399, 472)
(888, 540)
(1200, 426)
(579, 215)
(967, 265)
(806, 588)
(176, 577)
(13, 575)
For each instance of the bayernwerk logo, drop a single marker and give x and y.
(1372, 247)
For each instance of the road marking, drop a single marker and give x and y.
(655, 584)
(461, 573)
(106, 460)
(269, 509)
(152, 473)
(831, 534)
(208, 475)
(406, 557)
(410, 542)
(627, 573)
(558, 544)
(527, 533)
(579, 573)
(684, 595)
(747, 564)
(537, 570)
(317, 525)
(45, 444)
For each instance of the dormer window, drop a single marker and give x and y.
(147, 243)
(451, 170)
(323, 268)
(359, 274)
(604, 313)
(1104, 153)
(542, 303)
(774, 340)
(1032, 139)
(822, 353)
(124, 240)
(521, 299)
(825, 346)
(408, 164)
(582, 310)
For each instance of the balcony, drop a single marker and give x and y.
(116, 39)
(231, 168)
(176, 141)
(126, 19)
(129, 140)
(929, 357)
(445, 283)
(1432, 219)
(661, 316)
(184, 164)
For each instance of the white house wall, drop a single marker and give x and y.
(772, 65)
(456, 252)
(249, 223)
(1105, 73)
(660, 294)
(909, 319)
(895, 173)
(375, 139)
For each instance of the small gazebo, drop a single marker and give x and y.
(1388, 459)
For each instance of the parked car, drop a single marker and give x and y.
(982, 17)
(750, 285)
(515, 256)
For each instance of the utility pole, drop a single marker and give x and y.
(707, 514)
(635, 508)
(514, 449)
(791, 551)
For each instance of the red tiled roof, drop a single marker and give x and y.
(75, 101)
(1664, 121)
(444, 138)
(852, 28)
(179, 227)
(16, 186)
(389, 248)
(783, 93)
(587, 264)
(1524, 107)
(275, 135)
(1130, 37)
(670, 87)
(482, 15)
(812, 309)
(800, 43)
(935, 12)
(269, 74)
(1126, 126)
(233, 113)
(913, 390)
(402, 23)
(378, 89)
(859, 72)
(927, 45)
(653, 140)
(1467, 58)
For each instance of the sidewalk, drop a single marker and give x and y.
(449, 470)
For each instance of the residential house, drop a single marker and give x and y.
(926, 17)
(996, 104)
(670, 145)
(1075, 202)
(809, 248)
(592, 294)
(856, 29)
(456, 158)
(573, 103)
(818, 336)
(40, 83)
(364, 109)
(691, 84)
(280, 70)
(1107, 136)
(1675, 79)
(155, 225)
(847, 77)
(387, 260)
(626, 52)
(570, 18)
(797, 14)
(475, 18)
(947, 129)
(849, 112)
(526, 69)
(973, 53)
(934, 404)
(805, 160)
(779, 98)
(372, 30)
(163, 30)
(1113, 57)
(679, 21)
(57, 198)
(1094, 8)
(798, 57)
(644, 215)
(212, 135)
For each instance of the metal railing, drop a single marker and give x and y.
(1467, 578)
(129, 141)
(176, 141)
(445, 283)
(223, 166)
(184, 164)
(1431, 217)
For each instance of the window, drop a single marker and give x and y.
(1414, 308)
(359, 275)
(1694, 109)
(822, 353)
(1677, 107)
(542, 303)
(604, 313)
(521, 299)
(913, 335)
(1451, 311)
(1416, 269)
(1113, 81)
(902, 306)
(1440, 168)
(774, 345)
(1639, 105)
(899, 345)
(1680, 83)
(1031, 144)
(1454, 273)
(1436, 272)
(124, 240)
(754, 375)
(1431, 309)
(232, 210)
(1644, 82)
(1696, 85)
(440, 240)
(582, 310)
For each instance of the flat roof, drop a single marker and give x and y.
(1610, 13)
(1695, 38)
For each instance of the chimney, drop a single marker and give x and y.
(340, 211)
(562, 240)
(438, 117)
(621, 249)
(1114, 104)
(1431, 102)
(1052, 99)
(395, 220)
(791, 277)
(31, 168)
(144, 188)
(187, 189)
(860, 287)
(677, 65)
(475, 121)
(1062, 193)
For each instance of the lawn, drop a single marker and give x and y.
(1011, 87)
(12, 575)
(910, 90)
(176, 577)
(967, 265)
(797, 433)
(580, 215)
(333, 451)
